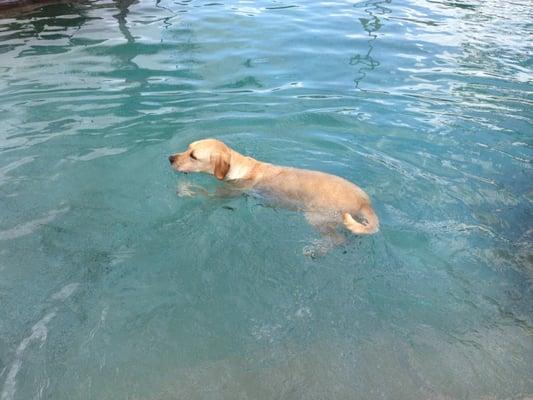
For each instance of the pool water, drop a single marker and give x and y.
(114, 287)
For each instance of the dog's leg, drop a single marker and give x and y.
(327, 227)
(325, 224)
(227, 192)
(187, 189)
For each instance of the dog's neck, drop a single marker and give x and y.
(240, 167)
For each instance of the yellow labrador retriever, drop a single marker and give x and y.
(327, 200)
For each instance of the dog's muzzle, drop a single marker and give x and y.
(171, 159)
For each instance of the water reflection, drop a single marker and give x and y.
(48, 22)
(372, 25)
(123, 6)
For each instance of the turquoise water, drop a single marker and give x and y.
(113, 287)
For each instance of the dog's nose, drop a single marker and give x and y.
(171, 159)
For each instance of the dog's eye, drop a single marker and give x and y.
(192, 156)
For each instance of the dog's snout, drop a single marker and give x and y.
(171, 159)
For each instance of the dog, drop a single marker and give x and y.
(327, 200)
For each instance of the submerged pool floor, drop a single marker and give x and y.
(114, 287)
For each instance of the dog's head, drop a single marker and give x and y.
(209, 155)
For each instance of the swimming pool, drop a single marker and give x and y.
(113, 287)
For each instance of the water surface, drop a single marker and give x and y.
(113, 287)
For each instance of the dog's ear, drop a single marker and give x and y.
(221, 162)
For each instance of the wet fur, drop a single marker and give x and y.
(327, 200)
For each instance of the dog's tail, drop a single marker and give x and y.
(372, 221)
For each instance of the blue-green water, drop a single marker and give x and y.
(113, 287)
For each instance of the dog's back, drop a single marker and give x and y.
(313, 190)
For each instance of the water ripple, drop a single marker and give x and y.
(426, 104)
